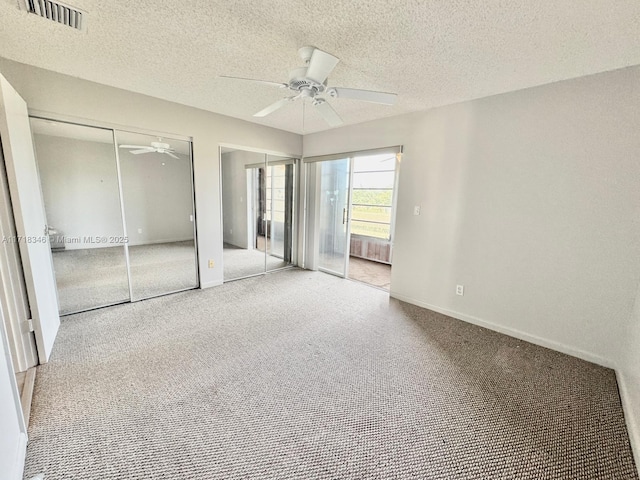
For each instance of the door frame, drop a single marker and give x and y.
(30, 219)
(21, 340)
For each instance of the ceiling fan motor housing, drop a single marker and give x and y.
(299, 82)
(305, 53)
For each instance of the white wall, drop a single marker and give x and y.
(530, 199)
(80, 188)
(235, 195)
(65, 96)
(158, 198)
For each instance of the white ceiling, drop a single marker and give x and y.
(430, 52)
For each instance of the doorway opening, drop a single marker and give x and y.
(351, 214)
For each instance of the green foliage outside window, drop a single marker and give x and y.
(371, 213)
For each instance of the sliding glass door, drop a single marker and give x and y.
(349, 214)
(120, 211)
(334, 216)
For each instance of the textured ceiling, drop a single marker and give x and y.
(429, 52)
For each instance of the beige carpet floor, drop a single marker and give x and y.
(303, 375)
(240, 262)
(91, 278)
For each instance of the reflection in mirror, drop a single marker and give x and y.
(243, 200)
(279, 196)
(79, 179)
(157, 197)
(257, 212)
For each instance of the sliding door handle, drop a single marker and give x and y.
(344, 215)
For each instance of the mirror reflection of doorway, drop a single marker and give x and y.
(121, 220)
(351, 214)
(258, 192)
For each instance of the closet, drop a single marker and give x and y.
(120, 213)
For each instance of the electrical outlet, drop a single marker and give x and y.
(459, 289)
(416, 210)
(211, 263)
(139, 230)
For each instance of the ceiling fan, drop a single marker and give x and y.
(310, 82)
(157, 147)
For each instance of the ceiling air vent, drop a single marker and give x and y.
(57, 12)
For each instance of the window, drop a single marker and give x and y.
(372, 201)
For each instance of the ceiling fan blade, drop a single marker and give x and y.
(265, 82)
(142, 150)
(134, 146)
(328, 113)
(273, 107)
(364, 95)
(320, 65)
(172, 155)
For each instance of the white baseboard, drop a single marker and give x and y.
(214, 283)
(512, 332)
(18, 469)
(631, 409)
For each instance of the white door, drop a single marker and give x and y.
(28, 206)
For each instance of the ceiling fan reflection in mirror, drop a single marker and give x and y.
(155, 147)
(310, 82)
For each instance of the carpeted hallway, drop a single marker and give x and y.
(302, 375)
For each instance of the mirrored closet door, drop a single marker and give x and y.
(258, 193)
(120, 213)
(157, 198)
(79, 180)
